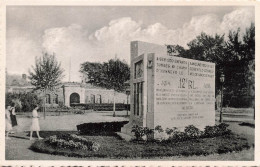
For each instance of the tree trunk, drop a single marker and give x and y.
(114, 105)
(44, 104)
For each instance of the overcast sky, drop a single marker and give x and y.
(98, 33)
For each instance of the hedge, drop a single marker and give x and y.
(100, 127)
(102, 106)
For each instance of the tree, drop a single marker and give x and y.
(111, 75)
(46, 75)
(233, 56)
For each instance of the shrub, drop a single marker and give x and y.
(138, 132)
(99, 127)
(216, 130)
(73, 142)
(141, 132)
(178, 136)
(158, 128)
(192, 132)
(223, 130)
(24, 101)
(148, 132)
(210, 131)
(105, 106)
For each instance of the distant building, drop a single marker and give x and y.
(67, 93)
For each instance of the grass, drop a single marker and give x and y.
(114, 147)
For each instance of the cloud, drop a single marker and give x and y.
(76, 42)
(241, 18)
(69, 44)
(20, 52)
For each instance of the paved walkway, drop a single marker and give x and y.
(69, 122)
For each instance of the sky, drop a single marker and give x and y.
(98, 33)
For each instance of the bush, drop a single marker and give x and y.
(24, 101)
(141, 132)
(217, 130)
(192, 132)
(73, 142)
(96, 128)
(158, 128)
(106, 106)
(138, 132)
(178, 136)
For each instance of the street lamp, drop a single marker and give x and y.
(222, 80)
(127, 93)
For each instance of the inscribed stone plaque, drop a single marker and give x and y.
(184, 92)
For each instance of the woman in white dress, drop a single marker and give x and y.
(35, 123)
(8, 125)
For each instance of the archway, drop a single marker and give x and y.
(74, 98)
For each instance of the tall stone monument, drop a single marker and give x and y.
(169, 91)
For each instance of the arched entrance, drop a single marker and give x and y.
(74, 98)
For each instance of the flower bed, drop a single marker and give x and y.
(72, 141)
(115, 148)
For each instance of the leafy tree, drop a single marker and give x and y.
(235, 57)
(46, 74)
(110, 75)
(23, 101)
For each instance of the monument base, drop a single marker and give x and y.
(126, 129)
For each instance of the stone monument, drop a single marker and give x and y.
(169, 91)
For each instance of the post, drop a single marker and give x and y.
(114, 105)
(221, 112)
(127, 105)
(44, 103)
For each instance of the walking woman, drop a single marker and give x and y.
(8, 126)
(13, 115)
(35, 122)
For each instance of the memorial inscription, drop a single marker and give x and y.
(184, 92)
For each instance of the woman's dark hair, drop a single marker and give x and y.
(34, 106)
(12, 104)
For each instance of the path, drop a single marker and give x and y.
(69, 122)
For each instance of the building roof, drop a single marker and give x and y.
(16, 80)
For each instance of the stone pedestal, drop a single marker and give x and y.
(169, 91)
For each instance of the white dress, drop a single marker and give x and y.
(8, 125)
(35, 121)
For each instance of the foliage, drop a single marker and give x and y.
(234, 56)
(158, 128)
(24, 101)
(138, 132)
(192, 132)
(141, 132)
(111, 75)
(47, 73)
(98, 127)
(100, 107)
(72, 141)
(217, 130)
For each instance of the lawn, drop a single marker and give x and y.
(114, 147)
